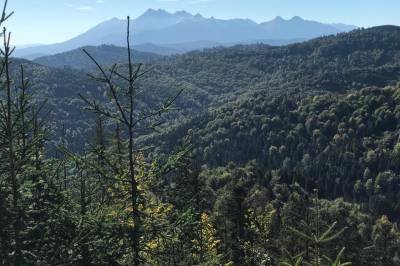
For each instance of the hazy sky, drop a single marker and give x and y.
(48, 21)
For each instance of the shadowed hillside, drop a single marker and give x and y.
(107, 55)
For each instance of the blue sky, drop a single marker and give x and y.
(48, 21)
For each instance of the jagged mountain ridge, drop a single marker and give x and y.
(181, 32)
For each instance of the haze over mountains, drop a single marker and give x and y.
(161, 32)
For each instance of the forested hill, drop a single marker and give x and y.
(345, 61)
(106, 54)
(333, 142)
(346, 146)
(210, 78)
(336, 63)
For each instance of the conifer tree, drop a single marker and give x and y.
(126, 112)
(316, 237)
(29, 199)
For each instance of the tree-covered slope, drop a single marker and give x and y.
(345, 61)
(106, 54)
(344, 145)
(336, 63)
(210, 78)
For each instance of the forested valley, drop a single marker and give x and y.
(247, 155)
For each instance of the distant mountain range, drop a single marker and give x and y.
(161, 32)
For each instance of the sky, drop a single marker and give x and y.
(51, 21)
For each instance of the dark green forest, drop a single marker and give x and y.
(248, 155)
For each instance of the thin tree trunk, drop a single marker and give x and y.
(134, 185)
(11, 155)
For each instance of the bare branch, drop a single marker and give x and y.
(111, 87)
